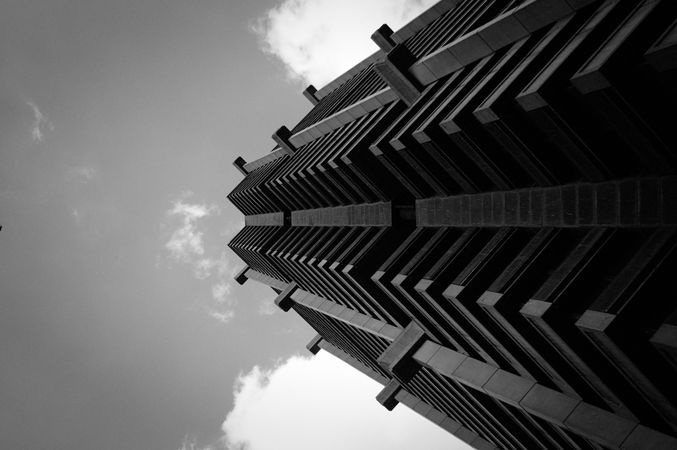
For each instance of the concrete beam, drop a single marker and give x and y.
(397, 358)
(503, 30)
(265, 159)
(281, 138)
(395, 72)
(383, 38)
(314, 345)
(569, 205)
(267, 280)
(346, 115)
(596, 424)
(345, 314)
(284, 300)
(387, 396)
(309, 93)
(241, 276)
(665, 341)
(275, 219)
(239, 165)
(361, 215)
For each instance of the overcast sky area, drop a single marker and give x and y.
(120, 324)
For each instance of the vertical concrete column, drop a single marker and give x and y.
(394, 70)
(281, 138)
(397, 358)
(394, 73)
(239, 165)
(309, 93)
(383, 38)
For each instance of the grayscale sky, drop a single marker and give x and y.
(120, 327)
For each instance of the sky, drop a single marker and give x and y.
(120, 324)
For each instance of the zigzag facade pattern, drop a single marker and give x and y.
(482, 217)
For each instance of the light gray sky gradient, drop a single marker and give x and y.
(99, 348)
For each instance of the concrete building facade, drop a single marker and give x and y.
(482, 217)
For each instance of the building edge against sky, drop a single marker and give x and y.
(482, 217)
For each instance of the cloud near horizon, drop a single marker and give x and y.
(317, 40)
(307, 401)
(186, 246)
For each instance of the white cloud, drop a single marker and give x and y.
(221, 291)
(321, 402)
(83, 174)
(224, 302)
(202, 269)
(186, 245)
(186, 241)
(222, 267)
(221, 316)
(318, 40)
(40, 123)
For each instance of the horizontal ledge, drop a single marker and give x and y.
(343, 117)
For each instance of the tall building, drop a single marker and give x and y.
(482, 216)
